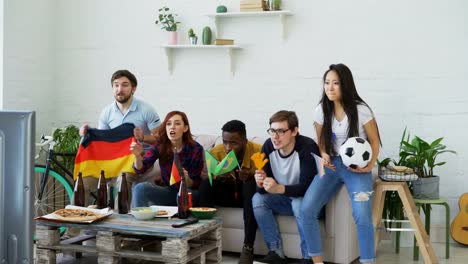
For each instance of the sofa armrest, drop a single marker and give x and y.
(341, 240)
(337, 211)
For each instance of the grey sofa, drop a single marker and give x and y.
(338, 229)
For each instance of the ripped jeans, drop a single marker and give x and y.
(323, 188)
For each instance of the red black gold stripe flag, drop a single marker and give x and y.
(176, 171)
(107, 150)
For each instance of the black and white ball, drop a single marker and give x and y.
(355, 152)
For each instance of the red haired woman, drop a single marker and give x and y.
(173, 135)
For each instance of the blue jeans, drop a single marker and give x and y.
(320, 191)
(148, 193)
(265, 207)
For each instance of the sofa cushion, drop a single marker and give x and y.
(233, 218)
(233, 233)
(207, 141)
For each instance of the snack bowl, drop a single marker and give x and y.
(203, 212)
(143, 213)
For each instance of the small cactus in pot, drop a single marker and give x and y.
(192, 37)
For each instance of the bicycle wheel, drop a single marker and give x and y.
(58, 192)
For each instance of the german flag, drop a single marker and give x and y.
(107, 150)
(176, 171)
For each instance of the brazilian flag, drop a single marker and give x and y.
(211, 163)
(227, 164)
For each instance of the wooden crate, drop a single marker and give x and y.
(122, 236)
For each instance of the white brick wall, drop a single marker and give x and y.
(409, 60)
(28, 58)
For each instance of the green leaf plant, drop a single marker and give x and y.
(419, 155)
(191, 34)
(67, 141)
(166, 19)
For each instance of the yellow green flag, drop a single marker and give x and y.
(211, 163)
(227, 164)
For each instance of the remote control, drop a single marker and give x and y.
(185, 222)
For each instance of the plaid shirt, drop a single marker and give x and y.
(191, 158)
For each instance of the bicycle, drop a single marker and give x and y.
(53, 190)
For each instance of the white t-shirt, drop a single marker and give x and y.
(340, 128)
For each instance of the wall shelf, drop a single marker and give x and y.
(281, 14)
(229, 48)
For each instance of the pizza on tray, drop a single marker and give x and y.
(162, 212)
(76, 215)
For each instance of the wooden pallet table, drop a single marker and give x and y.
(122, 236)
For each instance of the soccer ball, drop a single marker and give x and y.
(355, 152)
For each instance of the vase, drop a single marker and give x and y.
(274, 5)
(172, 37)
(193, 40)
(426, 188)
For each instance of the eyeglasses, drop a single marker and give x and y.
(279, 132)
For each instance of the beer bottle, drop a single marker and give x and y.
(79, 192)
(182, 199)
(122, 196)
(102, 192)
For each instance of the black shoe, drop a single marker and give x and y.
(246, 256)
(273, 258)
(307, 261)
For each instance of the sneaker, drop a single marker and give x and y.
(246, 256)
(273, 258)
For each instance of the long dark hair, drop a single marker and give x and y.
(350, 100)
(164, 144)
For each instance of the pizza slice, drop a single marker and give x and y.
(162, 212)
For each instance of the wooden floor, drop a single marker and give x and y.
(458, 255)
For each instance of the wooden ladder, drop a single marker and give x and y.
(406, 198)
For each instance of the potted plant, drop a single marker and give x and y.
(421, 156)
(274, 5)
(67, 141)
(192, 37)
(168, 22)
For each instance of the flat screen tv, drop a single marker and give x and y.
(17, 134)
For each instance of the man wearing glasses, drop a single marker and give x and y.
(283, 181)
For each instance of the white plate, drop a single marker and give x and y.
(171, 210)
(103, 212)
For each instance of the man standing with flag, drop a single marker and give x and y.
(126, 109)
(283, 182)
(233, 187)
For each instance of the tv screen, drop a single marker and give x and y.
(17, 133)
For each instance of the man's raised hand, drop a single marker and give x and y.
(83, 130)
